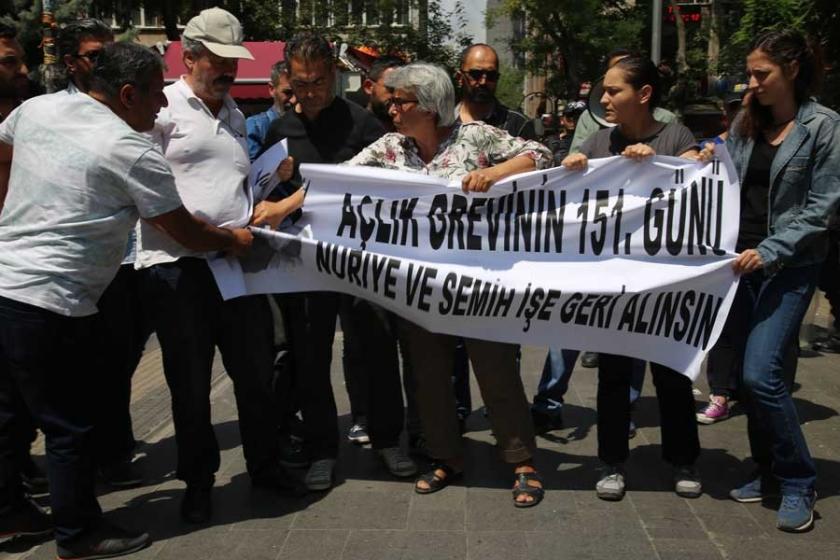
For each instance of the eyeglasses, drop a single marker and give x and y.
(475, 74)
(398, 103)
(92, 56)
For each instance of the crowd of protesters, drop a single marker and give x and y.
(115, 189)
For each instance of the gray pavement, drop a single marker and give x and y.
(369, 515)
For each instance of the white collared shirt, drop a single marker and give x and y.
(209, 158)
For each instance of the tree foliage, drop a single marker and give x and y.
(569, 38)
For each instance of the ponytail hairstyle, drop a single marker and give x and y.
(640, 71)
(783, 48)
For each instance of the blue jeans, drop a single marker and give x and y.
(50, 361)
(765, 316)
(557, 371)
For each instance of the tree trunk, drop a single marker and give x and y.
(713, 52)
(170, 20)
(682, 63)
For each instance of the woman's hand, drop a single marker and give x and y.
(479, 180)
(707, 153)
(273, 213)
(286, 169)
(575, 162)
(638, 152)
(748, 261)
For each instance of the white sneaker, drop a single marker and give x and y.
(687, 482)
(611, 485)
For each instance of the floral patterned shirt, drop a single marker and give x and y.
(470, 146)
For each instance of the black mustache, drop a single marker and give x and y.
(224, 80)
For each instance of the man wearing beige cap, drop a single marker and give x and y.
(202, 136)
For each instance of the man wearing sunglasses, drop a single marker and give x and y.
(284, 100)
(478, 78)
(79, 43)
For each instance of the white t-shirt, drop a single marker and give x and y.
(209, 158)
(79, 178)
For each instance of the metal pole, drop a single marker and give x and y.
(656, 32)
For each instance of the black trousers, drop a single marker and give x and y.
(680, 442)
(829, 281)
(123, 330)
(191, 320)
(46, 360)
(310, 320)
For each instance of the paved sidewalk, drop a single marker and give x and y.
(369, 515)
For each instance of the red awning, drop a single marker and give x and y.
(253, 75)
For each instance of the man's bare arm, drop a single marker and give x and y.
(198, 235)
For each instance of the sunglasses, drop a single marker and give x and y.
(90, 55)
(475, 74)
(398, 103)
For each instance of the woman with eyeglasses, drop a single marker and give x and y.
(786, 149)
(429, 141)
(631, 93)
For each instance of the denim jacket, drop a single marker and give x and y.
(257, 127)
(804, 187)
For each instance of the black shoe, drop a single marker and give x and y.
(544, 423)
(830, 345)
(123, 474)
(280, 480)
(26, 520)
(292, 455)
(417, 446)
(197, 504)
(34, 479)
(589, 359)
(105, 541)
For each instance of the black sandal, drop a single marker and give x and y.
(524, 489)
(434, 481)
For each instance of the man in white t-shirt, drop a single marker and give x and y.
(123, 330)
(75, 174)
(202, 136)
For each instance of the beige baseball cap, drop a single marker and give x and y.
(219, 31)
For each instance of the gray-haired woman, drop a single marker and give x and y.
(430, 141)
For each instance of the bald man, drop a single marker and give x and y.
(478, 78)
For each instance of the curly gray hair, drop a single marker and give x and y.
(432, 86)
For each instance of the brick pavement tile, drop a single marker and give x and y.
(549, 546)
(790, 547)
(489, 510)
(406, 545)
(204, 542)
(497, 545)
(684, 549)
(314, 545)
(436, 520)
(355, 510)
(254, 545)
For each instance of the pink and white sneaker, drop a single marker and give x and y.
(715, 411)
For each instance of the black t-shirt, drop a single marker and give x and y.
(339, 132)
(671, 139)
(754, 196)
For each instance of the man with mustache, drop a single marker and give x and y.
(202, 136)
(478, 78)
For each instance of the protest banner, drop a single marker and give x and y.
(628, 257)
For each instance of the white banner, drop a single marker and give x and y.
(629, 258)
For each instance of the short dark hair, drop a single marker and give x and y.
(7, 31)
(381, 64)
(467, 50)
(277, 69)
(309, 47)
(70, 36)
(124, 63)
(640, 71)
